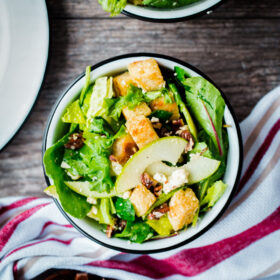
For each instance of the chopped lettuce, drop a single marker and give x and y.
(74, 114)
(100, 126)
(152, 95)
(161, 226)
(214, 193)
(125, 209)
(114, 7)
(167, 4)
(103, 88)
(86, 86)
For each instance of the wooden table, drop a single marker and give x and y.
(238, 46)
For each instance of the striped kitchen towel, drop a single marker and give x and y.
(243, 244)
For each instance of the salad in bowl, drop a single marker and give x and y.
(159, 10)
(140, 154)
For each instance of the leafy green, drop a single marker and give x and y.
(161, 226)
(136, 232)
(167, 4)
(125, 209)
(201, 148)
(113, 6)
(152, 95)
(214, 193)
(86, 86)
(103, 88)
(162, 115)
(73, 203)
(105, 215)
(74, 114)
(183, 109)
(100, 126)
(207, 105)
(133, 98)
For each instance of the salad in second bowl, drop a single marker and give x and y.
(115, 7)
(144, 154)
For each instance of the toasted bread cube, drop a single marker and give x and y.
(141, 130)
(142, 199)
(146, 74)
(142, 109)
(122, 83)
(182, 208)
(159, 104)
(123, 148)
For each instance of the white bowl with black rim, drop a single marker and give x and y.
(55, 129)
(171, 15)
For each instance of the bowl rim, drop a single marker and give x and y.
(237, 179)
(171, 19)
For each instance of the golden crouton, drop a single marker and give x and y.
(123, 148)
(142, 199)
(159, 104)
(142, 109)
(122, 83)
(141, 130)
(182, 208)
(146, 74)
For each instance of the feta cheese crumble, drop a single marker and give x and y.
(177, 179)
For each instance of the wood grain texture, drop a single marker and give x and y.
(238, 46)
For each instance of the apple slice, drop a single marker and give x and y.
(164, 149)
(199, 168)
(83, 188)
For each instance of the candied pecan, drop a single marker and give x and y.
(109, 230)
(76, 141)
(148, 181)
(176, 124)
(157, 125)
(121, 225)
(162, 132)
(157, 190)
(113, 158)
(158, 212)
(187, 135)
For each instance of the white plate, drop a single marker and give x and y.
(24, 46)
(176, 14)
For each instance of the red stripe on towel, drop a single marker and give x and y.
(259, 155)
(16, 204)
(191, 262)
(7, 231)
(65, 242)
(49, 223)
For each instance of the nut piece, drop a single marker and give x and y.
(158, 212)
(187, 135)
(76, 141)
(109, 230)
(148, 181)
(142, 199)
(146, 74)
(183, 206)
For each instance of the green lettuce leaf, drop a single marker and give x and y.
(125, 209)
(162, 115)
(114, 7)
(214, 193)
(207, 105)
(161, 226)
(86, 86)
(100, 126)
(74, 114)
(73, 203)
(167, 4)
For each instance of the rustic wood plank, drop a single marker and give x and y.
(229, 9)
(241, 56)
